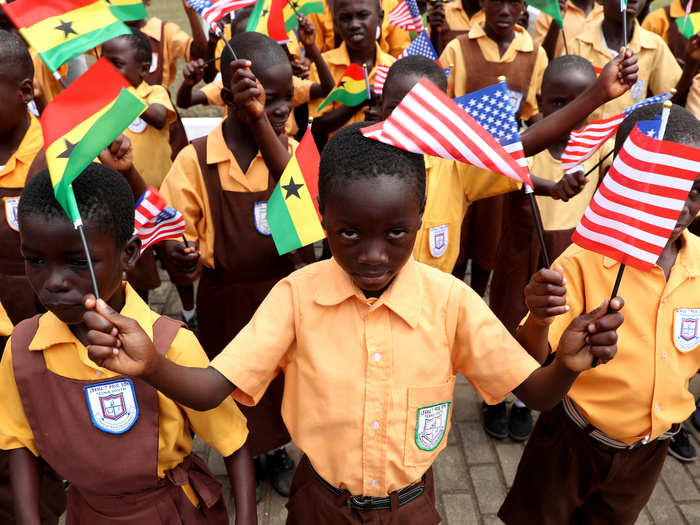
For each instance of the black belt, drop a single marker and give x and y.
(405, 495)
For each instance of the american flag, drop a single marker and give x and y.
(380, 74)
(212, 12)
(421, 45)
(637, 206)
(585, 142)
(407, 16)
(491, 107)
(428, 122)
(155, 221)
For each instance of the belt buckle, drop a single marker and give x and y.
(361, 503)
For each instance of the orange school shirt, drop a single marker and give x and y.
(184, 188)
(152, 145)
(657, 21)
(14, 173)
(644, 389)
(575, 21)
(369, 383)
(177, 44)
(457, 18)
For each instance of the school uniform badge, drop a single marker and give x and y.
(431, 425)
(11, 212)
(437, 237)
(260, 218)
(138, 125)
(154, 63)
(638, 90)
(112, 405)
(686, 328)
(516, 98)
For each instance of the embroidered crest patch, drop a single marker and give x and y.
(686, 328)
(11, 212)
(516, 98)
(154, 62)
(638, 90)
(437, 238)
(138, 125)
(431, 425)
(260, 218)
(112, 405)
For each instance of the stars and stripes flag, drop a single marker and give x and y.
(155, 221)
(380, 74)
(428, 122)
(212, 12)
(637, 206)
(585, 142)
(407, 16)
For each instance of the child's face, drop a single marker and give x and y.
(356, 22)
(56, 266)
(14, 94)
(371, 226)
(690, 209)
(277, 82)
(558, 92)
(502, 15)
(121, 53)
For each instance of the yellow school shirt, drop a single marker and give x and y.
(457, 18)
(184, 188)
(338, 60)
(657, 21)
(575, 22)
(457, 85)
(14, 173)
(5, 323)
(223, 427)
(644, 389)
(152, 145)
(177, 44)
(693, 102)
(451, 186)
(658, 69)
(358, 412)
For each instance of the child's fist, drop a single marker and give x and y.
(569, 186)
(184, 258)
(248, 93)
(619, 74)
(193, 71)
(119, 155)
(545, 295)
(307, 31)
(436, 17)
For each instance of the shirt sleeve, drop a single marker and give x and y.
(15, 431)
(542, 23)
(483, 350)
(575, 298)
(5, 323)
(530, 107)
(656, 22)
(259, 351)
(223, 427)
(159, 95)
(479, 183)
(396, 40)
(302, 90)
(666, 72)
(213, 93)
(457, 82)
(178, 42)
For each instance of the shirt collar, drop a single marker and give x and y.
(25, 153)
(403, 297)
(641, 38)
(217, 149)
(52, 331)
(520, 41)
(340, 56)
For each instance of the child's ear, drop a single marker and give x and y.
(130, 253)
(26, 88)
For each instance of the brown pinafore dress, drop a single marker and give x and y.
(677, 42)
(114, 477)
(246, 267)
(482, 228)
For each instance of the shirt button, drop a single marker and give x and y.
(377, 357)
(663, 300)
(375, 425)
(664, 354)
(98, 373)
(657, 408)
(373, 483)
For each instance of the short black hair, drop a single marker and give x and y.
(260, 49)
(564, 64)
(349, 156)
(104, 200)
(139, 43)
(15, 60)
(420, 66)
(682, 126)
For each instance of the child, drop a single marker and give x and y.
(370, 342)
(446, 22)
(221, 185)
(133, 463)
(662, 21)
(576, 14)
(596, 457)
(356, 21)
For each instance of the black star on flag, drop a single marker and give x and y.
(66, 27)
(68, 151)
(292, 189)
(265, 12)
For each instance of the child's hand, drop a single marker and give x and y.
(591, 335)
(307, 31)
(119, 155)
(619, 74)
(436, 18)
(545, 295)
(117, 342)
(248, 93)
(300, 67)
(184, 258)
(193, 71)
(569, 186)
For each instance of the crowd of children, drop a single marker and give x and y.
(353, 357)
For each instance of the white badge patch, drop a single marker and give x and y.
(686, 328)
(138, 125)
(516, 98)
(154, 62)
(260, 218)
(431, 425)
(11, 212)
(437, 237)
(638, 90)
(113, 407)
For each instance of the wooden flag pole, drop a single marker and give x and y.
(74, 214)
(597, 164)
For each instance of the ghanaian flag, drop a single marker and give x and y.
(292, 211)
(351, 90)
(303, 7)
(60, 30)
(266, 18)
(82, 121)
(126, 10)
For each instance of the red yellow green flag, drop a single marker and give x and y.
(690, 25)
(126, 10)
(292, 8)
(60, 30)
(82, 121)
(351, 90)
(292, 211)
(266, 18)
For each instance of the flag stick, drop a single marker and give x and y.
(219, 33)
(369, 93)
(81, 231)
(597, 164)
(71, 208)
(688, 9)
(291, 4)
(207, 62)
(623, 8)
(184, 239)
(58, 77)
(566, 46)
(538, 223)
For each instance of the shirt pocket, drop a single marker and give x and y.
(428, 415)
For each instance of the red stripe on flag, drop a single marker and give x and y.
(26, 13)
(620, 236)
(611, 252)
(612, 215)
(631, 203)
(309, 160)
